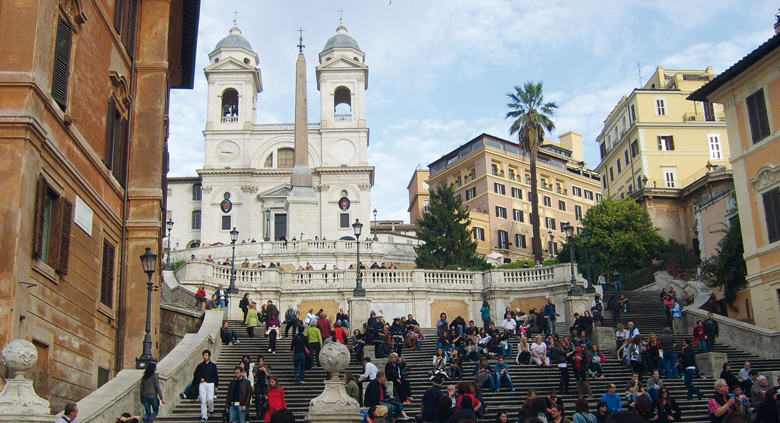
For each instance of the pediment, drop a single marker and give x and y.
(277, 191)
(229, 64)
(342, 63)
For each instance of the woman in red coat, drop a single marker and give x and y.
(276, 399)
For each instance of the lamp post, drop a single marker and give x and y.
(590, 289)
(169, 225)
(359, 291)
(575, 290)
(233, 238)
(375, 237)
(149, 262)
(552, 238)
(267, 236)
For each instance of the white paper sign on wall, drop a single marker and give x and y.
(83, 216)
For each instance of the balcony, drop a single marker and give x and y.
(281, 127)
(562, 191)
(343, 118)
(229, 119)
(702, 117)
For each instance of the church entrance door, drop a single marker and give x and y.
(280, 225)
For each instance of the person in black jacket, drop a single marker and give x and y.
(244, 304)
(207, 376)
(239, 396)
(729, 377)
(262, 379)
(465, 412)
(688, 364)
(768, 411)
(401, 387)
(376, 394)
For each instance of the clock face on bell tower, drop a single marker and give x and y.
(343, 150)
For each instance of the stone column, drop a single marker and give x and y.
(604, 337)
(334, 405)
(574, 304)
(711, 364)
(359, 311)
(18, 400)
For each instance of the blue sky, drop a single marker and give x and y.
(439, 70)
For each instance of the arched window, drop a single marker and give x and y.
(197, 192)
(285, 158)
(342, 100)
(230, 105)
(195, 220)
(269, 161)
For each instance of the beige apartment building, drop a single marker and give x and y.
(656, 142)
(750, 91)
(492, 178)
(418, 194)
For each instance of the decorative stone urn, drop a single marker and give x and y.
(334, 405)
(18, 400)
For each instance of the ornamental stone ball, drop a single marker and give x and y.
(334, 357)
(20, 355)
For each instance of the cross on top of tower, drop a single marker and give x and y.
(341, 15)
(300, 40)
(235, 17)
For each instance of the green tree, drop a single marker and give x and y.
(727, 268)
(531, 118)
(621, 235)
(444, 231)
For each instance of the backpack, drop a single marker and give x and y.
(289, 316)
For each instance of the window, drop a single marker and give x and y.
(660, 107)
(285, 158)
(634, 148)
(517, 215)
(577, 191)
(561, 205)
(715, 153)
(479, 234)
(517, 193)
(598, 197)
(426, 204)
(195, 220)
(633, 113)
(618, 165)
(197, 192)
(471, 193)
(578, 212)
(611, 174)
(639, 181)
(503, 239)
(759, 120)
(547, 201)
(550, 223)
(670, 177)
(226, 223)
(124, 23)
(501, 212)
(53, 221)
(625, 157)
(499, 188)
(588, 195)
(269, 161)
(665, 143)
(61, 74)
(772, 214)
(107, 275)
(117, 144)
(344, 220)
(520, 241)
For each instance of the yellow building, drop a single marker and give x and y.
(750, 93)
(418, 194)
(656, 142)
(492, 178)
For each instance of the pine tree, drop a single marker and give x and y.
(445, 234)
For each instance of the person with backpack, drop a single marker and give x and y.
(291, 319)
(299, 353)
(597, 308)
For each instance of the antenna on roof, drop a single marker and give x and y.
(300, 40)
(639, 71)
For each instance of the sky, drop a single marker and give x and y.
(439, 71)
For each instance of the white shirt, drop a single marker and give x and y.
(621, 334)
(370, 371)
(540, 349)
(309, 318)
(633, 332)
(509, 324)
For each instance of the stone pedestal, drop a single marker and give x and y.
(359, 312)
(302, 211)
(711, 364)
(604, 337)
(574, 304)
(334, 405)
(18, 400)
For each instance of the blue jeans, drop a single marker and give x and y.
(221, 303)
(299, 365)
(703, 346)
(670, 364)
(151, 405)
(688, 379)
(237, 414)
(653, 391)
(618, 285)
(394, 410)
(507, 351)
(505, 378)
(344, 323)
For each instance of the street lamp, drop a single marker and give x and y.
(569, 230)
(590, 289)
(552, 240)
(169, 225)
(149, 262)
(267, 236)
(233, 238)
(375, 237)
(359, 291)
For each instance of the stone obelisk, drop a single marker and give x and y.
(302, 201)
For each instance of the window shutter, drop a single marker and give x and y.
(40, 216)
(110, 133)
(59, 85)
(107, 275)
(64, 247)
(119, 14)
(671, 143)
(772, 214)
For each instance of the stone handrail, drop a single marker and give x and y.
(122, 393)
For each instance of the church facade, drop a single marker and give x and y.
(247, 176)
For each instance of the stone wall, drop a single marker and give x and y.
(175, 323)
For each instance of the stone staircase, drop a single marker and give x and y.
(646, 311)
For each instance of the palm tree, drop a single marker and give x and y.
(531, 118)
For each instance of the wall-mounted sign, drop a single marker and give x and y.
(344, 203)
(83, 216)
(226, 205)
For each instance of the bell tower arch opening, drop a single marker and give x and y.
(230, 105)
(342, 101)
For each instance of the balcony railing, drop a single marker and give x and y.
(281, 126)
(229, 119)
(704, 117)
(343, 118)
